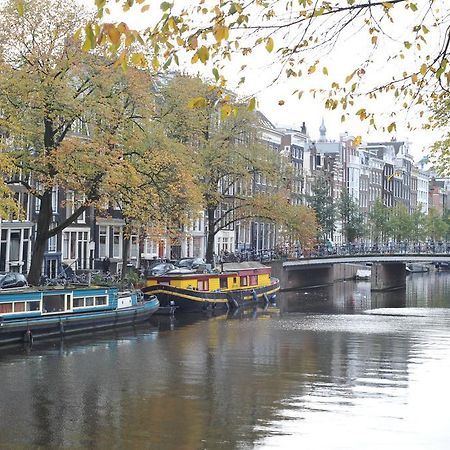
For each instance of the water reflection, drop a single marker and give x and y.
(422, 290)
(312, 372)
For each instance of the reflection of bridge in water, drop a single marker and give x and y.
(388, 271)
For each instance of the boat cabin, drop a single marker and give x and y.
(28, 302)
(247, 278)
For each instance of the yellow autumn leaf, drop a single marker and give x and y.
(155, 63)
(423, 69)
(139, 59)
(269, 44)
(203, 54)
(113, 34)
(220, 33)
(20, 7)
(197, 102)
(225, 111)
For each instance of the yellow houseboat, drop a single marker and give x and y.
(237, 285)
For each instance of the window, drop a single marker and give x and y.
(55, 303)
(244, 281)
(117, 232)
(34, 306)
(6, 308)
(103, 241)
(19, 306)
(99, 301)
(55, 199)
(73, 202)
(203, 285)
(52, 242)
(223, 283)
(134, 246)
(89, 301)
(14, 243)
(253, 280)
(78, 302)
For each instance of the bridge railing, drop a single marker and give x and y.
(321, 251)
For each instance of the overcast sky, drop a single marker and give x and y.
(350, 51)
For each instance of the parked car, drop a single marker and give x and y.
(161, 269)
(190, 263)
(12, 280)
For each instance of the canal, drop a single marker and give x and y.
(315, 372)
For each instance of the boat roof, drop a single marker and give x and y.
(247, 265)
(70, 287)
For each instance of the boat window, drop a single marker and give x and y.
(19, 306)
(53, 303)
(6, 308)
(234, 280)
(100, 300)
(78, 302)
(244, 281)
(34, 306)
(253, 280)
(89, 301)
(203, 285)
(223, 283)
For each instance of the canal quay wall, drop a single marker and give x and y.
(319, 276)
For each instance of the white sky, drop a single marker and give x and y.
(342, 60)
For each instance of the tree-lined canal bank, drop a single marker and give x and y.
(315, 372)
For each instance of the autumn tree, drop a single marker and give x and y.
(241, 178)
(72, 117)
(300, 227)
(155, 189)
(8, 207)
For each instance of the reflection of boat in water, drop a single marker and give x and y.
(363, 274)
(417, 268)
(29, 313)
(238, 285)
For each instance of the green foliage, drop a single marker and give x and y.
(437, 228)
(351, 217)
(400, 223)
(321, 202)
(379, 221)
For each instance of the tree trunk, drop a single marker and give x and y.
(210, 236)
(125, 250)
(40, 243)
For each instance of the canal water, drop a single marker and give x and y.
(335, 368)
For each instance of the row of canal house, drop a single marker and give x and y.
(371, 171)
(97, 236)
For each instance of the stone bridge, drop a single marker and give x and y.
(388, 271)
